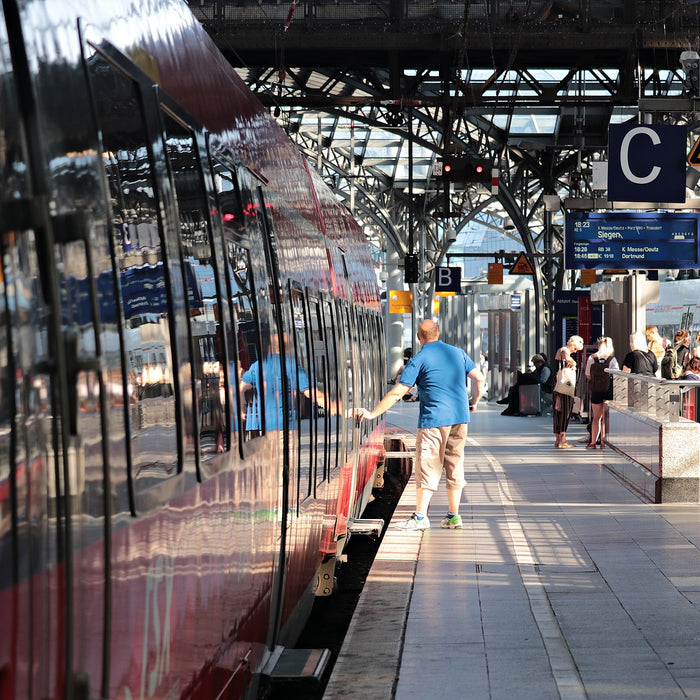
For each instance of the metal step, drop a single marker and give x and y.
(400, 455)
(293, 665)
(366, 526)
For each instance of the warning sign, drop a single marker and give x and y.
(522, 266)
(694, 157)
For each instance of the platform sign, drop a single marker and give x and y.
(448, 279)
(647, 162)
(630, 240)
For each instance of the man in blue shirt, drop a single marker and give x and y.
(440, 371)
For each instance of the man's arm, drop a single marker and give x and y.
(391, 397)
(478, 378)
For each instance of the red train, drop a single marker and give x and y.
(187, 320)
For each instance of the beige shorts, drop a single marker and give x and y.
(438, 449)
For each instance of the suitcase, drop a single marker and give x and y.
(529, 400)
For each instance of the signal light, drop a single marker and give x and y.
(463, 169)
(410, 268)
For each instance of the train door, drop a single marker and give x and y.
(31, 585)
(32, 588)
(53, 395)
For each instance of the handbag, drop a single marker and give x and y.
(566, 381)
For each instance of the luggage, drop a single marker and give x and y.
(529, 400)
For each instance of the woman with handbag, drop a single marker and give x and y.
(564, 389)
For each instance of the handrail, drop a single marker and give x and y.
(660, 399)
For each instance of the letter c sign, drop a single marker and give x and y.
(647, 163)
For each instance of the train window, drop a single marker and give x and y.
(332, 338)
(305, 398)
(349, 342)
(144, 287)
(247, 337)
(322, 386)
(208, 385)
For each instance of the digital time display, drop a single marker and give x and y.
(630, 240)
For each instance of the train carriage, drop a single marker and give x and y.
(187, 319)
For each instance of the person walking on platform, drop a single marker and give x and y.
(440, 371)
(563, 403)
(601, 387)
(639, 360)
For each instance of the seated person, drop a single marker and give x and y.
(407, 355)
(540, 375)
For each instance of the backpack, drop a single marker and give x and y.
(671, 368)
(600, 379)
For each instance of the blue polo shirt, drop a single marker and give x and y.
(440, 371)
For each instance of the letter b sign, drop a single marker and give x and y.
(647, 163)
(448, 279)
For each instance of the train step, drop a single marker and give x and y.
(400, 455)
(366, 526)
(294, 665)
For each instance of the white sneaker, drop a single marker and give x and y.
(414, 524)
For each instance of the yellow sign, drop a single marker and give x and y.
(522, 266)
(400, 302)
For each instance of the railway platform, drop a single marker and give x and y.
(563, 583)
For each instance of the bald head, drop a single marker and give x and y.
(428, 331)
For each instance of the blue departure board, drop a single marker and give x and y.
(630, 241)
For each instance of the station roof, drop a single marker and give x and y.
(376, 92)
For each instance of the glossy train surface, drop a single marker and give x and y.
(187, 320)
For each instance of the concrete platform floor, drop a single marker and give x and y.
(562, 584)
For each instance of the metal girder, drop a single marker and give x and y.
(530, 84)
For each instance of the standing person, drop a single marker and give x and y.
(601, 386)
(639, 360)
(440, 371)
(563, 404)
(676, 356)
(692, 370)
(657, 344)
(695, 352)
